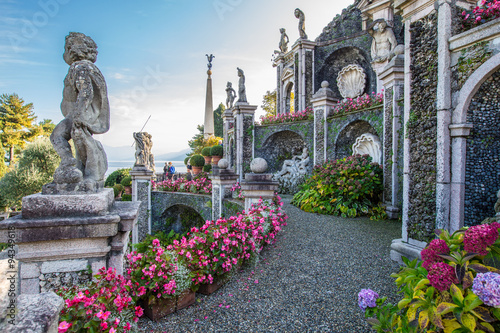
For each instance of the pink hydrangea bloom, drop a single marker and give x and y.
(430, 253)
(441, 276)
(478, 238)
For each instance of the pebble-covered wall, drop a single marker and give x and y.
(482, 168)
(422, 129)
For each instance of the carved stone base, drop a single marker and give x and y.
(400, 248)
(87, 186)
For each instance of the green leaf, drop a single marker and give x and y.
(471, 302)
(479, 268)
(468, 280)
(483, 314)
(422, 284)
(445, 308)
(487, 327)
(450, 325)
(456, 294)
(403, 303)
(469, 321)
(423, 319)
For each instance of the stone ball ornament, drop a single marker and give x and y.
(258, 165)
(223, 164)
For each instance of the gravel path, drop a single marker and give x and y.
(307, 282)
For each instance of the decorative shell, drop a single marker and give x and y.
(368, 144)
(351, 81)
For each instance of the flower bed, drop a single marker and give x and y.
(199, 185)
(362, 102)
(307, 114)
(489, 10)
(206, 254)
(453, 290)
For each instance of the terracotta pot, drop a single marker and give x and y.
(197, 170)
(128, 189)
(207, 289)
(216, 159)
(185, 299)
(160, 309)
(207, 159)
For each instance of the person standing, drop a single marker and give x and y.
(171, 170)
(165, 171)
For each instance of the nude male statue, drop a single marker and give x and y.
(384, 41)
(302, 23)
(242, 94)
(85, 107)
(231, 95)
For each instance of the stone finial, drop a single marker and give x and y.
(258, 165)
(85, 107)
(325, 84)
(223, 164)
(324, 91)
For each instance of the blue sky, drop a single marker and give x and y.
(152, 54)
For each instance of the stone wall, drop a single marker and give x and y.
(483, 152)
(343, 131)
(422, 129)
(277, 143)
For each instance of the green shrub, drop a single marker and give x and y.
(165, 240)
(126, 181)
(348, 187)
(116, 177)
(186, 160)
(206, 151)
(197, 160)
(453, 288)
(207, 168)
(118, 188)
(216, 150)
(126, 197)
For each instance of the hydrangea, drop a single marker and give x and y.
(430, 253)
(367, 298)
(487, 287)
(441, 276)
(478, 238)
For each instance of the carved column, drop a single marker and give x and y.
(279, 64)
(228, 121)
(222, 181)
(244, 115)
(392, 78)
(141, 192)
(322, 102)
(304, 73)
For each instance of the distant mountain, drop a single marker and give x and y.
(124, 153)
(177, 156)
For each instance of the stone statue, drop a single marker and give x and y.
(302, 23)
(210, 58)
(384, 44)
(284, 41)
(143, 154)
(85, 107)
(242, 94)
(231, 95)
(293, 172)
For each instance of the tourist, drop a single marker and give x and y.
(165, 171)
(171, 170)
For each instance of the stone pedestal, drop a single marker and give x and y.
(228, 121)
(322, 101)
(222, 181)
(392, 78)
(141, 193)
(256, 186)
(64, 239)
(244, 115)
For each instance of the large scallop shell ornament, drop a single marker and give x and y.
(351, 81)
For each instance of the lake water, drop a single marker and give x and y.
(115, 165)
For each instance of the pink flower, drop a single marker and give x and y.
(64, 326)
(478, 238)
(441, 276)
(430, 253)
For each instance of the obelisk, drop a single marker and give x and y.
(209, 106)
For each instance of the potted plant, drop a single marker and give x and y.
(127, 184)
(207, 168)
(118, 190)
(217, 152)
(197, 162)
(160, 281)
(205, 152)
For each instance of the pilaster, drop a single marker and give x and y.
(141, 192)
(244, 115)
(322, 102)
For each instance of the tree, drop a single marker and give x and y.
(47, 126)
(218, 123)
(269, 103)
(36, 167)
(17, 123)
(197, 143)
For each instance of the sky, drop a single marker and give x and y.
(152, 55)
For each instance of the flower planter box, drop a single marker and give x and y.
(207, 289)
(185, 299)
(166, 306)
(160, 308)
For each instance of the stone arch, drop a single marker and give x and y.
(475, 144)
(178, 217)
(341, 58)
(280, 146)
(348, 134)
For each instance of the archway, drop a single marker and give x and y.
(281, 146)
(289, 99)
(348, 135)
(179, 218)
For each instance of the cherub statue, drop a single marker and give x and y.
(85, 107)
(302, 23)
(384, 44)
(231, 95)
(284, 41)
(242, 95)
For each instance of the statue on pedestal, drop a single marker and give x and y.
(231, 95)
(384, 44)
(85, 107)
(284, 41)
(302, 23)
(293, 172)
(242, 95)
(143, 154)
